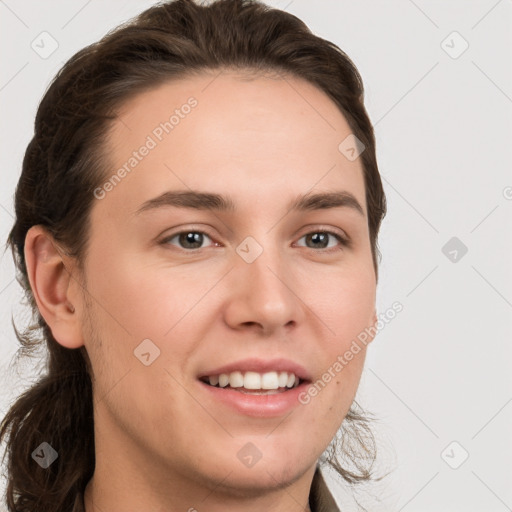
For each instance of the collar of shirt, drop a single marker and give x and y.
(320, 498)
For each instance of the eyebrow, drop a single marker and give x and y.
(197, 200)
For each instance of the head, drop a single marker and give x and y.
(245, 104)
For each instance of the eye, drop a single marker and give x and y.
(189, 239)
(320, 240)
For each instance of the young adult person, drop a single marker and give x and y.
(196, 231)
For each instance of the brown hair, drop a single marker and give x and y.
(67, 159)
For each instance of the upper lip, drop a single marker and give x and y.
(260, 366)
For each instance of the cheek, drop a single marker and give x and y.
(145, 300)
(329, 398)
(167, 305)
(347, 309)
(345, 303)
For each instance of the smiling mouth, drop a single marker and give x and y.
(254, 383)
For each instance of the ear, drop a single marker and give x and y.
(54, 287)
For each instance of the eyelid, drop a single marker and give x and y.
(187, 229)
(319, 228)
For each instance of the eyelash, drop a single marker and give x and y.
(344, 242)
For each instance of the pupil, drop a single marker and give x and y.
(191, 238)
(319, 236)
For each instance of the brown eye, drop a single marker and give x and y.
(188, 239)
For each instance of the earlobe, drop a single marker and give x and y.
(51, 284)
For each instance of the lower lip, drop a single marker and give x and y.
(261, 406)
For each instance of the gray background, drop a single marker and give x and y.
(438, 372)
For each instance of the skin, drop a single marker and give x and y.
(161, 445)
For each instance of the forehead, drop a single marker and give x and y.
(252, 136)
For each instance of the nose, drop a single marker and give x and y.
(263, 295)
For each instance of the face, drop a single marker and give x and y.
(178, 292)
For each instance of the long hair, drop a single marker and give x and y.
(66, 160)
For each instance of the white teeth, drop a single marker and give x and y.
(223, 380)
(236, 379)
(255, 380)
(282, 379)
(252, 380)
(269, 380)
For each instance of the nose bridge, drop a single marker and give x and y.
(262, 290)
(267, 272)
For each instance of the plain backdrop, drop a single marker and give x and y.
(438, 82)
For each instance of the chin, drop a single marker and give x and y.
(251, 482)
